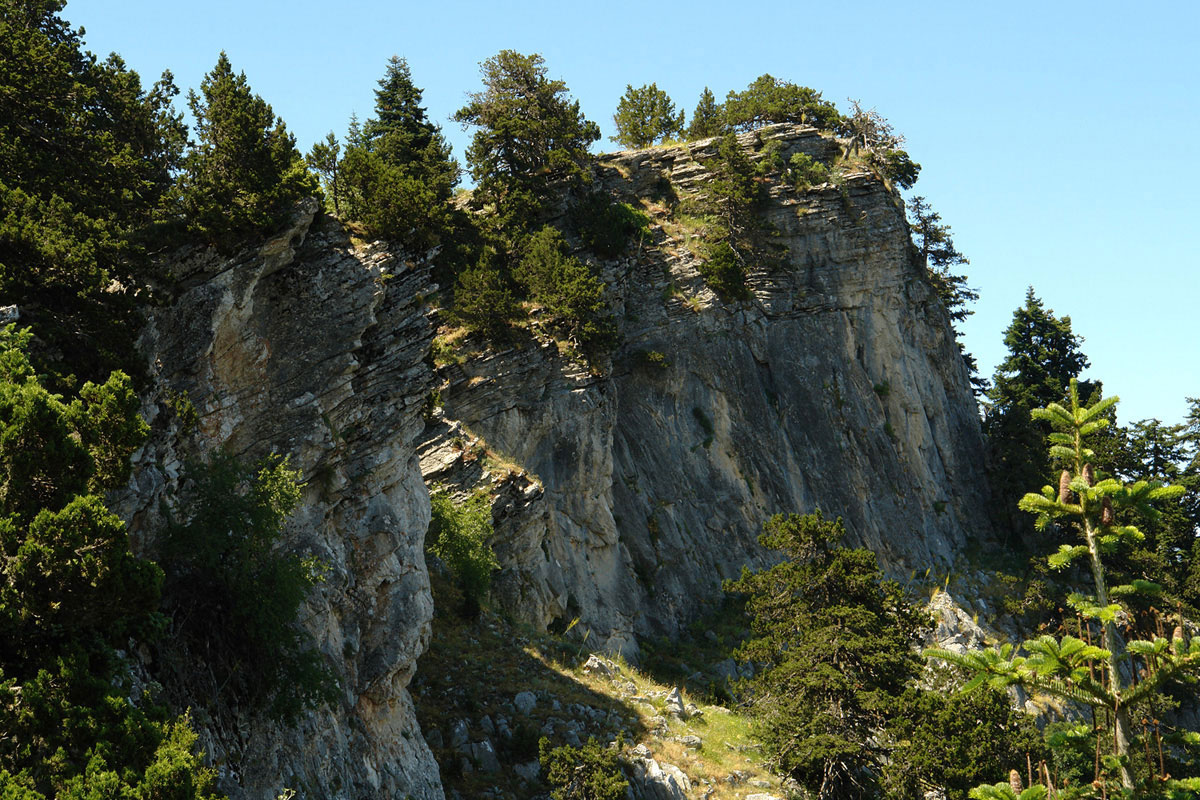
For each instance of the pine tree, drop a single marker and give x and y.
(769, 99)
(397, 173)
(1125, 682)
(646, 115)
(529, 138)
(245, 173)
(707, 119)
(939, 257)
(86, 156)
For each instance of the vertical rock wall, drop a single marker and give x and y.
(838, 385)
(313, 348)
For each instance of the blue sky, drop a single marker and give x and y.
(1056, 138)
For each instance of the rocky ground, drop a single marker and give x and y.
(488, 689)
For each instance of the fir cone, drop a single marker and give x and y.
(1089, 477)
(1014, 782)
(1107, 515)
(1064, 487)
(1177, 645)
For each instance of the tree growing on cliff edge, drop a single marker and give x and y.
(244, 173)
(707, 119)
(1124, 681)
(529, 138)
(397, 174)
(86, 156)
(941, 258)
(769, 99)
(646, 115)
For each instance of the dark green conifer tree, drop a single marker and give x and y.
(707, 119)
(1043, 357)
(646, 115)
(397, 171)
(530, 137)
(244, 174)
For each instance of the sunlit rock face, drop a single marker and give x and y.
(313, 348)
(646, 481)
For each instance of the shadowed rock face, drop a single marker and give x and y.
(838, 386)
(313, 348)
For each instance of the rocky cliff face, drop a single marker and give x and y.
(646, 482)
(314, 348)
(622, 494)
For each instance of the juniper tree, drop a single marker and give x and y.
(1124, 682)
(769, 99)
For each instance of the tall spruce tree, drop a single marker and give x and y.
(1043, 357)
(397, 174)
(244, 173)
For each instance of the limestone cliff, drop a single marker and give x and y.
(312, 347)
(623, 493)
(837, 385)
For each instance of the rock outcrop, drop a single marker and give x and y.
(315, 348)
(645, 482)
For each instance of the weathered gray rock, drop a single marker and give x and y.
(652, 780)
(312, 347)
(484, 756)
(525, 702)
(528, 771)
(646, 481)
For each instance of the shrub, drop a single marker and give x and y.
(458, 535)
(483, 300)
(590, 772)
(234, 594)
(606, 227)
(567, 289)
(804, 171)
(723, 272)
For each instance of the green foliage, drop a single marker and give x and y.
(1072, 668)
(244, 174)
(834, 640)
(397, 174)
(956, 741)
(568, 290)
(86, 156)
(732, 193)
(769, 99)
(233, 594)
(645, 116)
(707, 119)
(939, 257)
(606, 227)
(325, 160)
(1043, 357)
(804, 171)
(873, 138)
(483, 299)
(530, 138)
(591, 772)
(458, 535)
(70, 593)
